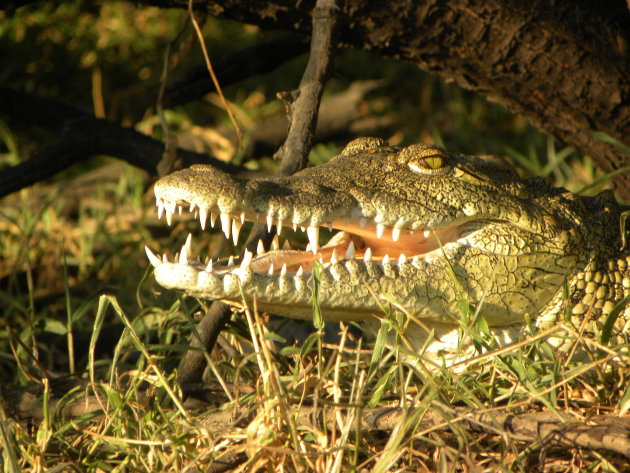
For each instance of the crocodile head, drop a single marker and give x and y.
(418, 229)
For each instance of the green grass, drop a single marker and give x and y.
(73, 274)
(135, 419)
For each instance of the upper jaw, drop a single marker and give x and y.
(361, 236)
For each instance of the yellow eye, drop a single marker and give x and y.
(426, 159)
(436, 161)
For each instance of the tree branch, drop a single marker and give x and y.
(82, 136)
(564, 66)
(294, 153)
(303, 104)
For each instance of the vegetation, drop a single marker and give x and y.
(82, 319)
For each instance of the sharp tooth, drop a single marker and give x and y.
(395, 233)
(367, 256)
(286, 245)
(231, 261)
(362, 222)
(170, 206)
(308, 247)
(402, 259)
(169, 217)
(226, 224)
(300, 271)
(188, 243)
(426, 233)
(164, 258)
(350, 251)
(209, 266)
(183, 255)
(302, 228)
(330, 226)
(283, 271)
(334, 259)
(213, 219)
(203, 216)
(313, 238)
(279, 227)
(380, 229)
(193, 206)
(260, 249)
(269, 222)
(416, 260)
(247, 259)
(160, 206)
(154, 260)
(295, 227)
(385, 260)
(270, 270)
(243, 217)
(180, 209)
(275, 243)
(236, 229)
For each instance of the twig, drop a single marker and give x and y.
(202, 43)
(248, 62)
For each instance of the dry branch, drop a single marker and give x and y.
(303, 104)
(550, 429)
(303, 110)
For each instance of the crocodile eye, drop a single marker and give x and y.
(436, 161)
(426, 159)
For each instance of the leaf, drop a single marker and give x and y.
(318, 320)
(611, 318)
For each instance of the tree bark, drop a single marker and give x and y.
(563, 64)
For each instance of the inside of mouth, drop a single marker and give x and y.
(354, 239)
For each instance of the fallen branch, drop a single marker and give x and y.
(550, 429)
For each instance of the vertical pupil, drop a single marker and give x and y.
(433, 162)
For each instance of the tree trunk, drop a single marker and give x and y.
(563, 64)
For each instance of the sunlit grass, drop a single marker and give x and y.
(73, 274)
(73, 264)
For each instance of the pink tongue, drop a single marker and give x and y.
(295, 258)
(409, 243)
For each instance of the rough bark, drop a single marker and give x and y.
(564, 65)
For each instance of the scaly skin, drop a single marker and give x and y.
(467, 227)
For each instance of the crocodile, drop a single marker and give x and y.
(419, 230)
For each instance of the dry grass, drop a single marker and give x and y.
(277, 407)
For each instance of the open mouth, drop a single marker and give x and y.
(358, 236)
